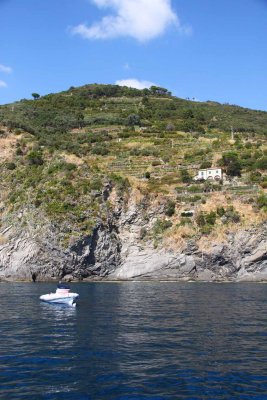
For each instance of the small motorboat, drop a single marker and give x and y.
(63, 295)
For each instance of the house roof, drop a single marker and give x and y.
(210, 169)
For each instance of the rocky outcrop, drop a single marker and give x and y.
(31, 249)
(243, 256)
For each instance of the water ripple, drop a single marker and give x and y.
(135, 341)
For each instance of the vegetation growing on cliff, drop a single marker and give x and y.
(63, 153)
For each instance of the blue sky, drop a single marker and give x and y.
(203, 49)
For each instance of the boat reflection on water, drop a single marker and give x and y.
(59, 330)
(58, 310)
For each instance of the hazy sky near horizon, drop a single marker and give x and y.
(202, 49)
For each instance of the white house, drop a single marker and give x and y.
(213, 174)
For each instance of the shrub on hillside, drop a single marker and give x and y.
(185, 176)
(143, 233)
(232, 163)
(264, 184)
(200, 219)
(34, 157)
(133, 119)
(262, 201)
(170, 127)
(122, 184)
(205, 164)
(147, 175)
(211, 218)
(195, 189)
(170, 208)
(100, 150)
(155, 163)
(160, 226)
(261, 163)
(231, 216)
(19, 151)
(96, 184)
(11, 166)
(255, 177)
(61, 166)
(220, 211)
(206, 221)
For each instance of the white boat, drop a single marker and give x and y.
(61, 296)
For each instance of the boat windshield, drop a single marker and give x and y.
(63, 286)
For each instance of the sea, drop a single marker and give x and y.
(134, 340)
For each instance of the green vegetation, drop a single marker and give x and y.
(206, 221)
(170, 208)
(160, 226)
(35, 96)
(67, 147)
(231, 163)
(262, 201)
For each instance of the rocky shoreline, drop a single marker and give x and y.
(30, 251)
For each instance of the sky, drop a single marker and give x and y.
(197, 49)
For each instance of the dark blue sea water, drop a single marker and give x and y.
(135, 341)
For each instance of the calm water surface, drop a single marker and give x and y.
(135, 341)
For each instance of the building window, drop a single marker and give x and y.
(209, 172)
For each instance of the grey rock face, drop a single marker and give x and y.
(30, 249)
(33, 252)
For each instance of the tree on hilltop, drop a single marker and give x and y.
(36, 96)
(160, 91)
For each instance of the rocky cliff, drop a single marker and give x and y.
(31, 249)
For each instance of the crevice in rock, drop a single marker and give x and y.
(90, 259)
(34, 277)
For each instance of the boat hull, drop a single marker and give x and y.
(68, 299)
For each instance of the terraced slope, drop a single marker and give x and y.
(72, 157)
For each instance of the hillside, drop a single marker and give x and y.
(80, 166)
